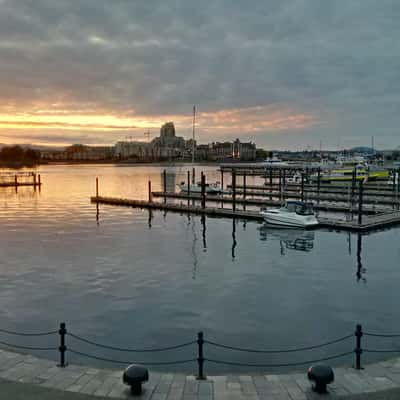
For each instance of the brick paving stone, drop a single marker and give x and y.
(159, 396)
(205, 388)
(91, 386)
(79, 383)
(191, 387)
(175, 394)
(120, 391)
(106, 386)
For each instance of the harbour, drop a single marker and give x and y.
(153, 261)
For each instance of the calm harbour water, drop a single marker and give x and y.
(130, 278)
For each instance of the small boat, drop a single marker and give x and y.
(274, 162)
(211, 188)
(394, 179)
(294, 214)
(363, 172)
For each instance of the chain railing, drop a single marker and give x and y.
(200, 358)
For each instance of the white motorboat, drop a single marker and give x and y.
(274, 162)
(295, 214)
(211, 188)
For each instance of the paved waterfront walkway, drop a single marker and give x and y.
(31, 378)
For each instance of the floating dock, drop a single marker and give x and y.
(17, 179)
(369, 223)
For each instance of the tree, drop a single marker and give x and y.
(12, 153)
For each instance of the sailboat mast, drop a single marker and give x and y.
(194, 123)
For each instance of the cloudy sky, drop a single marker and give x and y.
(284, 73)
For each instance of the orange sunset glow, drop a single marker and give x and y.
(221, 122)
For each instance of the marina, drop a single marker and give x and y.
(359, 200)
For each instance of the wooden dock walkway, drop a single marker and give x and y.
(368, 224)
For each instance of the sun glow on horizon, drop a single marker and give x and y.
(224, 122)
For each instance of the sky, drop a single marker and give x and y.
(286, 74)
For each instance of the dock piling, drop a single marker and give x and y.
(233, 190)
(193, 176)
(360, 202)
(203, 190)
(188, 182)
(165, 184)
(97, 186)
(270, 181)
(150, 193)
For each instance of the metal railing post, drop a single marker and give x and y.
(63, 348)
(200, 356)
(358, 350)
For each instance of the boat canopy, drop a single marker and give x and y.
(300, 207)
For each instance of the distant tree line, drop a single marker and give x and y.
(17, 155)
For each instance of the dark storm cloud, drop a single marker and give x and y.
(339, 60)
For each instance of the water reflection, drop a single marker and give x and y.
(360, 269)
(97, 214)
(234, 242)
(169, 184)
(203, 233)
(292, 239)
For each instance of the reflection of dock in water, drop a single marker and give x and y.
(292, 239)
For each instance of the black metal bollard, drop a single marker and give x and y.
(200, 356)
(358, 350)
(63, 348)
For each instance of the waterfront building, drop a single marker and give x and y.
(131, 149)
(168, 145)
(219, 151)
(79, 152)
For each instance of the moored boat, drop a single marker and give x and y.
(362, 172)
(294, 214)
(210, 188)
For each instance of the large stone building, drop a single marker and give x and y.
(168, 145)
(165, 146)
